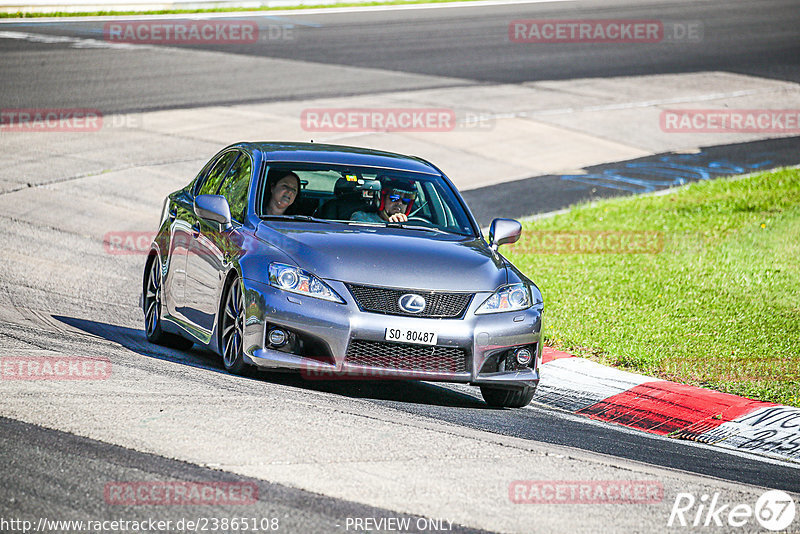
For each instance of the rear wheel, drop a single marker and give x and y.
(151, 300)
(233, 328)
(507, 398)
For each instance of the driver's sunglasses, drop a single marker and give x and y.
(405, 198)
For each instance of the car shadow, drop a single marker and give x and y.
(401, 391)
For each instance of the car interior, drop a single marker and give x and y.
(335, 193)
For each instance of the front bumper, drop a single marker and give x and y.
(330, 328)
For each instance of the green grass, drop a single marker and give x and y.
(718, 307)
(20, 14)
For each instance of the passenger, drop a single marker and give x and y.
(396, 201)
(284, 188)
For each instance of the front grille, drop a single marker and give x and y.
(406, 357)
(437, 303)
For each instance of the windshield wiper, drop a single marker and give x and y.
(404, 226)
(407, 226)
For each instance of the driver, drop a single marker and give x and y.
(397, 197)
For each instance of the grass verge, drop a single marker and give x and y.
(718, 306)
(21, 14)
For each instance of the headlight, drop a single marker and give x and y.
(509, 298)
(296, 280)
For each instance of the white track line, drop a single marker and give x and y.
(75, 42)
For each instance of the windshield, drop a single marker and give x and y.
(362, 195)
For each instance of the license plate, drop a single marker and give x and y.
(405, 335)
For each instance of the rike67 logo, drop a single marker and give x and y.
(774, 510)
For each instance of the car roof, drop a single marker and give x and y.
(339, 155)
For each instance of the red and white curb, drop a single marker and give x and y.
(667, 408)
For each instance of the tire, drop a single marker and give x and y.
(507, 398)
(151, 304)
(232, 329)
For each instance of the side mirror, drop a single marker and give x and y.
(504, 231)
(213, 208)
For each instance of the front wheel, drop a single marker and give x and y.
(508, 398)
(151, 301)
(233, 329)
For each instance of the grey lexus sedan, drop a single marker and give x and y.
(342, 262)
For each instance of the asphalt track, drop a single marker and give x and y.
(759, 39)
(463, 406)
(454, 46)
(40, 452)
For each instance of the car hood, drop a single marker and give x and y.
(388, 257)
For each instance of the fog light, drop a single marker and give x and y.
(277, 337)
(524, 356)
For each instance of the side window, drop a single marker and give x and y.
(217, 174)
(198, 181)
(235, 187)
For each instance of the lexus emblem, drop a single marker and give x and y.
(411, 303)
